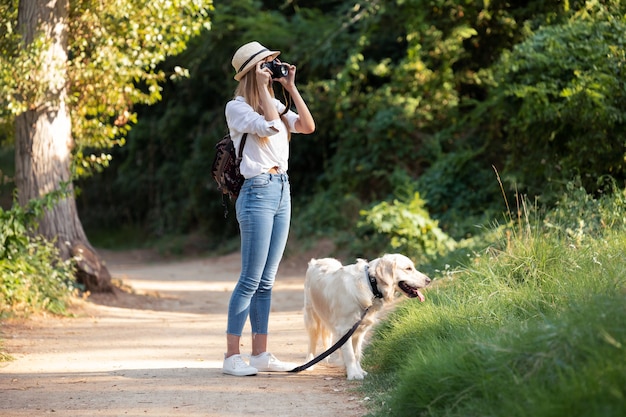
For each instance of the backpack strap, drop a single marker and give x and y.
(242, 144)
(225, 205)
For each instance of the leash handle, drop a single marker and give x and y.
(333, 348)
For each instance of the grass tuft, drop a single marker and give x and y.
(535, 325)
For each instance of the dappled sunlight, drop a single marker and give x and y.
(198, 286)
(143, 339)
(155, 346)
(148, 285)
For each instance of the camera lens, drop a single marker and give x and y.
(278, 70)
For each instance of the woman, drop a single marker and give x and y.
(264, 203)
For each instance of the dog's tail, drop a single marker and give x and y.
(325, 265)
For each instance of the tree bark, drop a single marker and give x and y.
(43, 141)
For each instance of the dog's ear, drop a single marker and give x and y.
(384, 267)
(384, 271)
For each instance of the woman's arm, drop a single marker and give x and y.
(241, 117)
(264, 80)
(305, 123)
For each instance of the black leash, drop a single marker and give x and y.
(333, 348)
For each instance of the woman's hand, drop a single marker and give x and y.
(305, 123)
(264, 82)
(263, 74)
(289, 81)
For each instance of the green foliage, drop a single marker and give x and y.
(579, 216)
(534, 328)
(162, 178)
(412, 70)
(383, 105)
(132, 38)
(33, 277)
(114, 52)
(560, 101)
(403, 227)
(19, 221)
(461, 191)
(371, 97)
(391, 85)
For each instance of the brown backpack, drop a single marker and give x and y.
(225, 169)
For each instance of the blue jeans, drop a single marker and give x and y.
(264, 213)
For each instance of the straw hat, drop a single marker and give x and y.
(248, 55)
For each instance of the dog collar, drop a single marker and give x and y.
(372, 280)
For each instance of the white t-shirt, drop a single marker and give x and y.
(257, 158)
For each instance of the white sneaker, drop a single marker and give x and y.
(266, 362)
(235, 365)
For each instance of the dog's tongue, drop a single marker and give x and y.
(421, 296)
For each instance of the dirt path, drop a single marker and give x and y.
(158, 352)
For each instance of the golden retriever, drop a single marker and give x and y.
(335, 297)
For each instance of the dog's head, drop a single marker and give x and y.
(397, 273)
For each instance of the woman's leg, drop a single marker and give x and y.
(259, 343)
(261, 301)
(232, 345)
(262, 360)
(256, 208)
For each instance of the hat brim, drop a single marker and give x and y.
(252, 63)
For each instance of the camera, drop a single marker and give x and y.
(278, 70)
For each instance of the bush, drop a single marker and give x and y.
(461, 191)
(579, 216)
(404, 227)
(33, 277)
(560, 104)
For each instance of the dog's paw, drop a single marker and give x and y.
(356, 376)
(354, 373)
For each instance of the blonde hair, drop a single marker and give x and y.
(248, 89)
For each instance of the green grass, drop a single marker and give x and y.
(535, 328)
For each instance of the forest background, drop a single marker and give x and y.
(486, 140)
(417, 105)
(432, 108)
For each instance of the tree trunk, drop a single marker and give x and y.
(43, 141)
